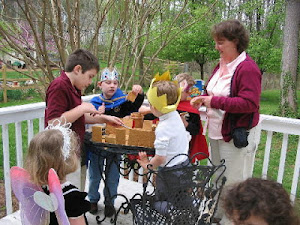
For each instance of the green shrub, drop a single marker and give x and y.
(19, 94)
(14, 94)
(30, 93)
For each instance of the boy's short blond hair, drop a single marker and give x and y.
(185, 76)
(169, 88)
(45, 152)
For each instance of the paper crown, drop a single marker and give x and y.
(160, 102)
(109, 74)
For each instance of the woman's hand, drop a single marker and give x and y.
(196, 102)
(206, 100)
(201, 100)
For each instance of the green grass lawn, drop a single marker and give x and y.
(11, 74)
(269, 105)
(269, 102)
(21, 102)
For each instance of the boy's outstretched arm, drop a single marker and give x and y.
(91, 119)
(73, 114)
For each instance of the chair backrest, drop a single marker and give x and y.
(188, 193)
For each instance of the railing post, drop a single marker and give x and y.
(19, 146)
(296, 174)
(7, 182)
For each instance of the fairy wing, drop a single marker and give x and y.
(24, 190)
(56, 193)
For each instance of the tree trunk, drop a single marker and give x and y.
(288, 105)
(201, 60)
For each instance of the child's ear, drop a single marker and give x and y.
(99, 84)
(77, 69)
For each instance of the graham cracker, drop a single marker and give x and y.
(127, 122)
(110, 129)
(133, 137)
(121, 136)
(97, 133)
(154, 127)
(131, 96)
(111, 139)
(151, 139)
(198, 101)
(147, 125)
(141, 137)
(138, 119)
(144, 138)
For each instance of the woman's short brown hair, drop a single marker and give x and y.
(169, 88)
(45, 152)
(263, 198)
(232, 30)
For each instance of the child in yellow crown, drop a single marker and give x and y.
(171, 137)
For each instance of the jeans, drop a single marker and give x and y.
(111, 178)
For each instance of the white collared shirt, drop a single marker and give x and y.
(171, 138)
(220, 86)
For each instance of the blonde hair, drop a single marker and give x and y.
(45, 152)
(169, 88)
(185, 76)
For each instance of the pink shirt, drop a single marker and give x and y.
(219, 85)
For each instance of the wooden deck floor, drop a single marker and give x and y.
(126, 187)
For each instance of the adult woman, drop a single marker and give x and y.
(232, 101)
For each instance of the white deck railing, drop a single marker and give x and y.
(17, 114)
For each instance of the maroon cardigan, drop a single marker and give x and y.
(244, 102)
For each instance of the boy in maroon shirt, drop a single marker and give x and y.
(63, 96)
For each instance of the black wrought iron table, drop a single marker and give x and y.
(125, 167)
(191, 198)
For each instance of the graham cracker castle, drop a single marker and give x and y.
(143, 135)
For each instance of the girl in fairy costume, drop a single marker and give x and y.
(53, 149)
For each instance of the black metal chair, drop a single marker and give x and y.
(183, 195)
